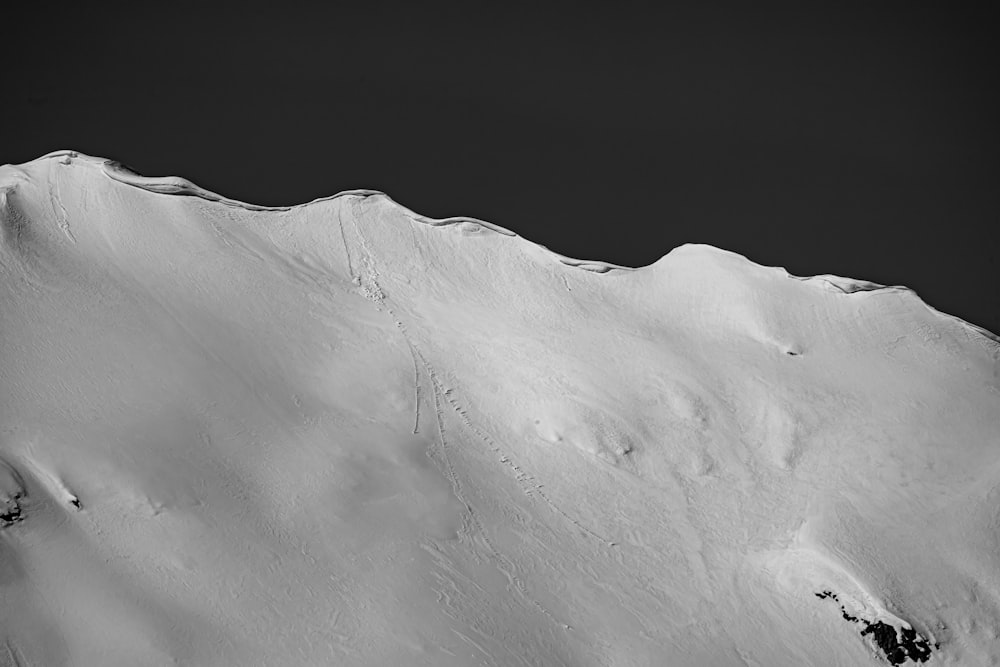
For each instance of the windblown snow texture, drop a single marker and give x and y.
(344, 433)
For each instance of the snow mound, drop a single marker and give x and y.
(346, 433)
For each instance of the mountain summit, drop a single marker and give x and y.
(344, 433)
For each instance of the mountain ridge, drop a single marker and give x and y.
(179, 186)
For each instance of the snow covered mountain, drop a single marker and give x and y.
(342, 433)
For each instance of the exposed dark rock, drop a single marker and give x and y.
(12, 490)
(898, 646)
(912, 646)
(10, 511)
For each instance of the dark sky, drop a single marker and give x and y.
(861, 142)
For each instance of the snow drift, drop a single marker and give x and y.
(343, 433)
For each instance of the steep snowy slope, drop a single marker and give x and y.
(344, 434)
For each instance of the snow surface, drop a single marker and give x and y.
(342, 433)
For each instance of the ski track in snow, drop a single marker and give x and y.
(347, 250)
(61, 212)
(373, 291)
(12, 655)
(531, 488)
(416, 388)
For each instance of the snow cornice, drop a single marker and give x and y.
(178, 186)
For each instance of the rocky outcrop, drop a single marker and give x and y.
(897, 644)
(11, 493)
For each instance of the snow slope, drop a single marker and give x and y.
(342, 433)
